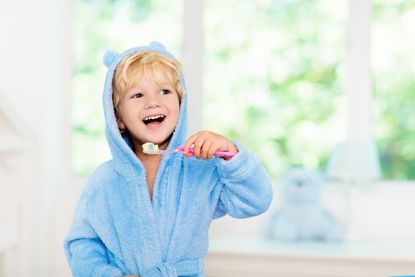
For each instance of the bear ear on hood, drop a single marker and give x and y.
(109, 57)
(157, 45)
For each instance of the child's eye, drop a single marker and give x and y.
(137, 95)
(165, 91)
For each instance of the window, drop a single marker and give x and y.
(393, 61)
(273, 69)
(272, 77)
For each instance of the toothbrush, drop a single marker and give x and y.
(153, 149)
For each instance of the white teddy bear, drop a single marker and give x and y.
(301, 216)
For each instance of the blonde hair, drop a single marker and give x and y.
(153, 65)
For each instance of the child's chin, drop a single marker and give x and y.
(161, 140)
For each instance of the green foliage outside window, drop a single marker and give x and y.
(273, 74)
(272, 78)
(393, 44)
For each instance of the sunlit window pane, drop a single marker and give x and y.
(393, 56)
(114, 25)
(272, 77)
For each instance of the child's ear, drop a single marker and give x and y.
(120, 122)
(121, 126)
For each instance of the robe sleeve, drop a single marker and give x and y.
(86, 254)
(246, 189)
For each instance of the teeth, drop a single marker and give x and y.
(154, 117)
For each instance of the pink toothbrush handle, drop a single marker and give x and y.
(225, 154)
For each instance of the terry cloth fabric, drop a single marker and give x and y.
(118, 230)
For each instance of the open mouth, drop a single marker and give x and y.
(154, 120)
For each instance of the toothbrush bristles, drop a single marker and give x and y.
(150, 148)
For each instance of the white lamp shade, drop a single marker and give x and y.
(354, 161)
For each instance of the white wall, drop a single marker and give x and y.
(33, 78)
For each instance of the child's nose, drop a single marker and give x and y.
(152, 103)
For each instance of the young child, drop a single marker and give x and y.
(148, 215)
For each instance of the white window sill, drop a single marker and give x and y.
(357, 250)
(254, 256)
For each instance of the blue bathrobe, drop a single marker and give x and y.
(118, 230)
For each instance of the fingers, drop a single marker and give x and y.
(205, 144)
(198, 146)
(206, 149)
(200, 143)
(213, 148)
(188, 144)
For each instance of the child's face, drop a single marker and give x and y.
(149, 111)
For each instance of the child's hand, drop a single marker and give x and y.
(206, 143)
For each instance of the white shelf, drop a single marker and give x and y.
(248, 256)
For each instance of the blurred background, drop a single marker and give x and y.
(290, 79)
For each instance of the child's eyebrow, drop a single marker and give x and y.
(169, 87)
(165, 84)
